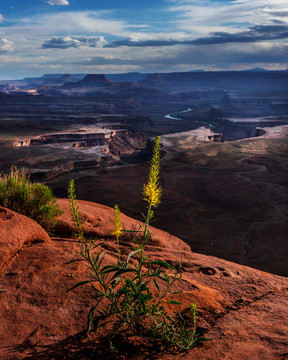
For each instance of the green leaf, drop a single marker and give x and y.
(131, 254)
(142, 301)
(200, 340)
(162, 263)
(100, 255)
(181, 318)
(131, 283)
(173, 302)
(90, 319)
(156, 284)
(122, 271)
(72, 261)
(81, 283)
(115, 282)
(112, 346)
(109, 268)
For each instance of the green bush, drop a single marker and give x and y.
(133, 292)
(34, 200)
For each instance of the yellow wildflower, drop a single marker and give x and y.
(118, 228)
(152, 190)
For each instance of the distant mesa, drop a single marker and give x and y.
(53, 79)
(90, 80)
(256, 70)
(126, 77)
(94, 78)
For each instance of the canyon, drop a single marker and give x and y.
(223, 211)
(223, 166)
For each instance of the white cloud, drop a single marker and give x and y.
(6, 46)
(65, 42)
(208, 16)
(58, 2)
(253, 34)
(70, 22)
(1, 18)
(226, 55)
(179, 31)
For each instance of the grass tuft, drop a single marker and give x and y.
(34, 200)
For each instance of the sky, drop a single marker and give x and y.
(114, 36)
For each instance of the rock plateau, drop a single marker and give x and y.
(242, 309)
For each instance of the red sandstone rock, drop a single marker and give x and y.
(99, 223)
(244, 310)
(15, 231)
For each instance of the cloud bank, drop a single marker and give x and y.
(253, 34)
(65, 42)
(163, 35)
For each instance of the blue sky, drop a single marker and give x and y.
(112, 36)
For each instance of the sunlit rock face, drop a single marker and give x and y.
(86, 149)
(87, 139)
(241, 128)
(235, 302)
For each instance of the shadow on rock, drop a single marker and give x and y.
(81, 347)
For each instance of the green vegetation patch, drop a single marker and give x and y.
(34, 200)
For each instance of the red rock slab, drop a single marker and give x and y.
(15, 231)
(243, 310)
(99, 223)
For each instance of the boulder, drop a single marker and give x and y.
(17, 231)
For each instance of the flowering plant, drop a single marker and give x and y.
(129, 292)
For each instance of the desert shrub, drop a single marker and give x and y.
(34, 200)
(133, 294)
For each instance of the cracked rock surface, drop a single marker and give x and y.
(243, 310)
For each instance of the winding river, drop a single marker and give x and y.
(169, 116)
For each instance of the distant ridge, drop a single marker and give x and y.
(90, 80)
(126, 77)
(262, 70)
(259, 81)
(94, 78)
(51, 79)
(256, 70)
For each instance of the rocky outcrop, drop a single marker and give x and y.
(251, 106)
(241, 128)
(41, 320)
(94, 138)
(84, 139)
(99, 223)
(17, 231)
(107, 149)
(90, 80)
(215, 137)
